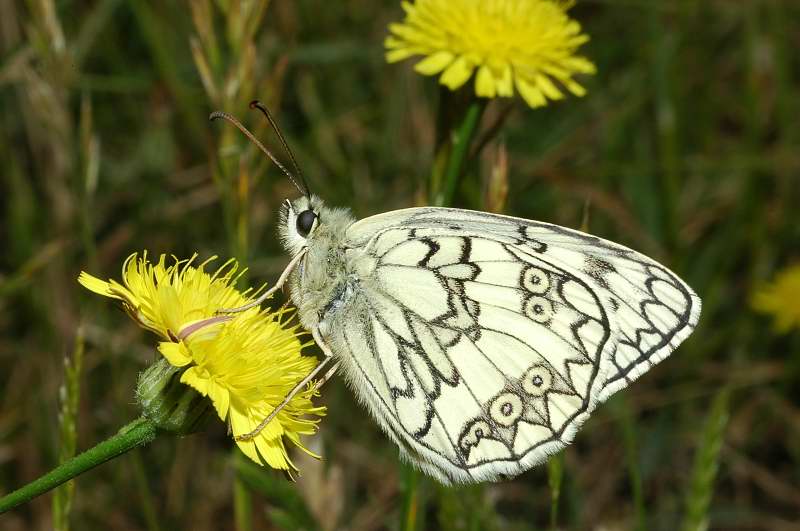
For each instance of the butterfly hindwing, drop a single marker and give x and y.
(482, 342)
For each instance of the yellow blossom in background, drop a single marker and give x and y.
(781, 299)
(245, 363)
(527, 45)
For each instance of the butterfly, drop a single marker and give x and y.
(480, 343)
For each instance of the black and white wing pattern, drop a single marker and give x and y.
(482, 342)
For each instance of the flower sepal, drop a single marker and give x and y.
(170, 404)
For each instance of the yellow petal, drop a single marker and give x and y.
(399, 54)
(505, 85)
(220, 397)
(457, 73)
(241, 424)
(175, 353)
(405, 33)
(548, 88)
(485, 83)
(273, 453)
(574, 87)
(248, 448)
(96, 285)
(531, 94)
(196, 379)
(392, 42)
(581, 64)
(434, 63)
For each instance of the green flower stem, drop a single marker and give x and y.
(461, 138)
(555, 477)
(138, 433)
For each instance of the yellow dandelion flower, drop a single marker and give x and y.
(166, 299)
(245, 363)
(524, 44)
(781, 299)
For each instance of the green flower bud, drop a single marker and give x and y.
(171, 405)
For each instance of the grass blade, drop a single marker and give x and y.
(69, 393)
(706, 464)
(629, 438)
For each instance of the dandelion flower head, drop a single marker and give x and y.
(245, 363)
(527, 45)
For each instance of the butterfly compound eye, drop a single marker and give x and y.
(305, 222)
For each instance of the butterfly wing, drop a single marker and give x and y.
(481, 342)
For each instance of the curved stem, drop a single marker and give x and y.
(138, 433)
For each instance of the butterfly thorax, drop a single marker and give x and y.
(323, 282)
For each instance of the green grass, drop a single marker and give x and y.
(685, 147)
(69, 395)
(706, 464)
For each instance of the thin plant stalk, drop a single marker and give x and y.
(146, 499)
(460, 140)
(242, 499)
(555, 477)
(67, 423)
(138, 433)
(629, 438)
(700, 489)
(411, 498)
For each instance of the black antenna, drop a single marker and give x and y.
(255, 104)
(225, 116)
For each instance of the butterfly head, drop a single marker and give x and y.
(307, 223)
(300, 221)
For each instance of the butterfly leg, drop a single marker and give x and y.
(321, 342)
(328, 355)
(267, 294)
(299, 387)
(328, 374)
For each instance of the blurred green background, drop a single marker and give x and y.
(685, 148)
